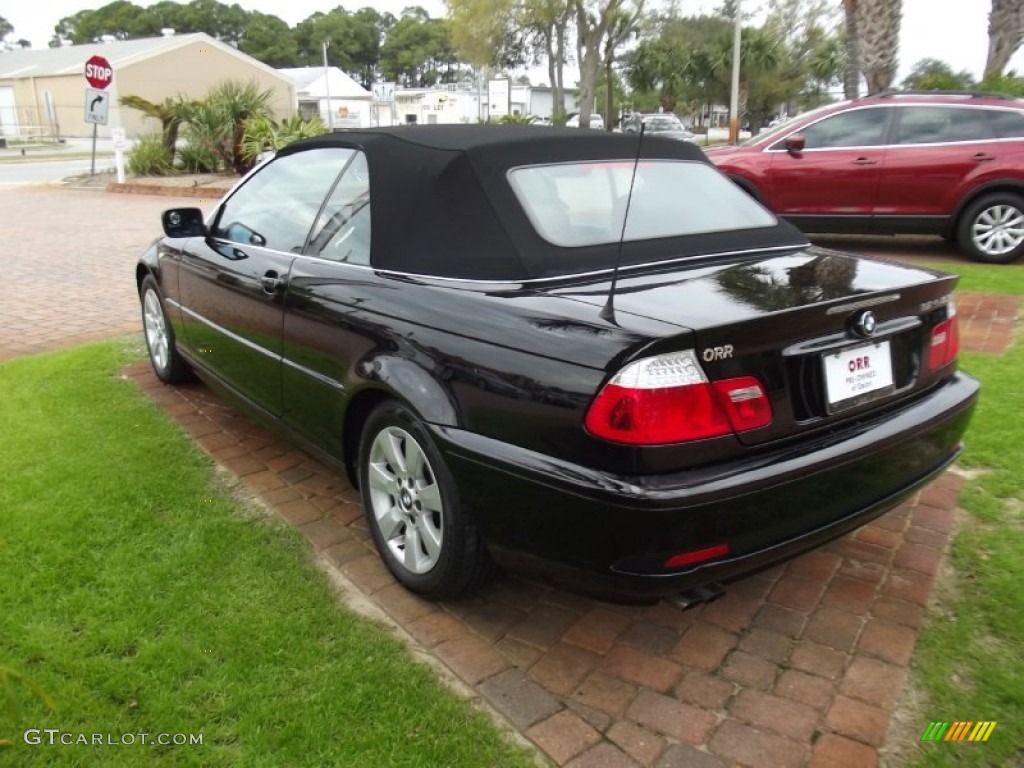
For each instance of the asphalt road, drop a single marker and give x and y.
(47, 171)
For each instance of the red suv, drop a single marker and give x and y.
(950, 164)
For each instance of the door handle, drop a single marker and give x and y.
(865, 161)
(271, 282)
(981, 157)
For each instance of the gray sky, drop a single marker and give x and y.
(955, 31)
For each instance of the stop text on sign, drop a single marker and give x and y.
(98, 72)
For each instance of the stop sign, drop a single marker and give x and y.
(98, 72)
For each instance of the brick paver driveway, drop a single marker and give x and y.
(802, 665)
(68, 258)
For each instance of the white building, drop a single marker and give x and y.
(339, 100)
(461, 103)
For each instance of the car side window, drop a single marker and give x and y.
(856, 128)
(937, 125)
(1006, 123)
(342, 231)
(276, 206)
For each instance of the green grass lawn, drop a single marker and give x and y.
(969, 657)
(140, 598)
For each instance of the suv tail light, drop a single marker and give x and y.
(668, 399)
(945, 341)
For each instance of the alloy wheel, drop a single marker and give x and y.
(405, 500)
(998, 229)
(155, 323)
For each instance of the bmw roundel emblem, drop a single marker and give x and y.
(866, 324)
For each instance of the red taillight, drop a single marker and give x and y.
(668, 399)
(945, 341)
(698, 556)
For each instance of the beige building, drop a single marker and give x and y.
(43, 92)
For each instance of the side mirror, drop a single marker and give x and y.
(183, 222)
(795, 143)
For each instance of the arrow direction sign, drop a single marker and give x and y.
(97, 104)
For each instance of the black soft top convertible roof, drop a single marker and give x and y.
(442, 204)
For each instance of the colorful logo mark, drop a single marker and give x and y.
(961, 730)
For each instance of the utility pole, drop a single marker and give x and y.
(734, 99)
(327, 87)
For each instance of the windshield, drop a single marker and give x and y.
(578, 204)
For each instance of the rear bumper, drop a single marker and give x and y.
(610, 534)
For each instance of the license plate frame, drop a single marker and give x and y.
(857, 375)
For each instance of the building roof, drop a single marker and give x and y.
(70, 59)
(310, 81)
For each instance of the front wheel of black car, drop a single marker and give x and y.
(992, 229)
(428, 542)
(168, 365)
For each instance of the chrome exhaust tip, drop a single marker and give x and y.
(690, 598)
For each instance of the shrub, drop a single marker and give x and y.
(218, 121)
(149, 157)
(264, 134)
(517, 120)
(1009, 84)
(197, 158)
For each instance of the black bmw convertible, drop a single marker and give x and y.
(579, 354)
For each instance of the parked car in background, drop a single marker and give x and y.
(665, 125)
(950, 164)
(596, 121)
(543, 349)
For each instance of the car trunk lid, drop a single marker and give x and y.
(829, 336)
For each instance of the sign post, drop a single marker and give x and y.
(99, 74)
(117, 134)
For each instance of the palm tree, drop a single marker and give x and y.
(218, 121)
(621, 26)
(594, 18)
(1005, 34)
(170, 112)
(878, 27)
(851, 80)
(872, 43)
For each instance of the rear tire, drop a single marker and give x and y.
(169, 366)
(427, 540)
(991, 229)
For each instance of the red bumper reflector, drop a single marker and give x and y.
(698, 556)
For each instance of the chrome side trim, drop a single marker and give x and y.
(327, 380)
(572, 276)
(231, 334)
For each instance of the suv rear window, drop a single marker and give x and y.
(938, 124)
(1006, 124)
(578, 204)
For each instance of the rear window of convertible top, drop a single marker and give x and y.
(584, 203)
